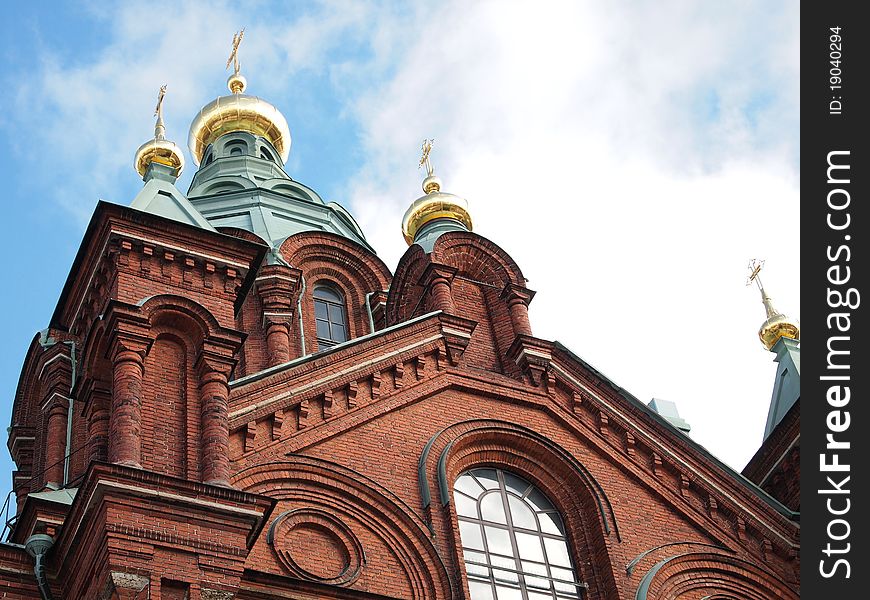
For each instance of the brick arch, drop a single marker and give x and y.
(183, 314)
(478, 258)
(698, 575)
(585, 508)
(358, 262)
(392, 535)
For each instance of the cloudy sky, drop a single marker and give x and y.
(631, 156)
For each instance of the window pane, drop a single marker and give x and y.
(551, 523)
(338, 333)
(327, 294)
(465, 506)
(506, 593)
(467, 484)
(470, 535)
(323, 330)
(529, 546)
(540, 596)
(320, 310)
(336, 313)
(539, 501)
(487, 478)
(480, 591)
(504, 576)
(492, 508)
(515, 484)
(557, 552)
(521, 514)
(498, 541)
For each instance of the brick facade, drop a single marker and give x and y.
(216, 451)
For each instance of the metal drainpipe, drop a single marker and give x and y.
(299, 312)
(369, 312)
(37, 546)
(69, 416)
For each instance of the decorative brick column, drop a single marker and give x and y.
(278, 288)
(97, 398)
(55, 450)
(518, 299)
(437, 280)
(125, 422)
(214, 392)
(55, 377)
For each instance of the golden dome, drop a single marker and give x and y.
(238, 112)
(776, 327)
(159, 151)
(434, 205)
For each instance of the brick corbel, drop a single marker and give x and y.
(533, 356)
(457, 334)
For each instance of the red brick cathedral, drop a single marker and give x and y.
(235, 398)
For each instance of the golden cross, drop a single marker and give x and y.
(424, 160)
(158, 111)
(234, 55)
(755, 267)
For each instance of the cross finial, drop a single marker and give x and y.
(234, 54)
(159, 129)
(424, 160)
(755, 267)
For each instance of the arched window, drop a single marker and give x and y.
(330, 316)
(513, 539)
(266, 154)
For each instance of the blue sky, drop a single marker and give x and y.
(631, 156)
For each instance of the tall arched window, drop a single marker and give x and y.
(513, 539)
(330, 315)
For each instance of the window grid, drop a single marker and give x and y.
(329, 317)
(493, 507)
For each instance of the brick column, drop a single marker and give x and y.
(278, 288)
(517, 299)
(97, 398)
(55, 439)
(214, 393)
(125, 422)
(437, 280)
(55, 375)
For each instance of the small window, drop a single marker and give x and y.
(513, 539)
(330, 316)
(266, 154)
(235, 151)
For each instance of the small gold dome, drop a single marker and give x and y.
(159, 151)
(238, 112)
(776, 327)
(434, 205)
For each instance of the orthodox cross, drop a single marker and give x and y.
(424, 160)
(159, 129)
(158, 111)
(755, 267)
(234, 54)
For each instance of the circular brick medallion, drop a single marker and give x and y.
(314, 545)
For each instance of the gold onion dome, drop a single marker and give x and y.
(159, 150)
(238, 112)
(777, 325)
(434, 205)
